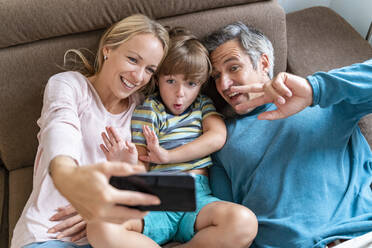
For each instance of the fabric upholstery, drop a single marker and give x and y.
(268, 17)
(365, 125)
(320, 39)
(56, 18)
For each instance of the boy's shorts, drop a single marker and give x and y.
(163, 227)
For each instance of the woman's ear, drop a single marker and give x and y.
(106, 50)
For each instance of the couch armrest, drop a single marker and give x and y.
(319, 40)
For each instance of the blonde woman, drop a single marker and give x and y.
(76, 109)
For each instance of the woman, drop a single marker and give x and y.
(76, 109)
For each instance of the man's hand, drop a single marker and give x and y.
(87, 188)
(155, 153)
(288, 92)
(72, 225)
(115, 149)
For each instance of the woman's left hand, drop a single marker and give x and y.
(72, 225)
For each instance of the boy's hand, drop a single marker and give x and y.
(156, 154)
(115, 149)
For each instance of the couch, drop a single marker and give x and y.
(35, 34)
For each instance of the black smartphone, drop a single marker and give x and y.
(176, 191)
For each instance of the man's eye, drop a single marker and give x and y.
(133, 60)
(234, 68)
(216, 76)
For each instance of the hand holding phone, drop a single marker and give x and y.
(176, 191)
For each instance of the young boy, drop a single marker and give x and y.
(176, 129)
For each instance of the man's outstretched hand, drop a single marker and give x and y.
(288, 92)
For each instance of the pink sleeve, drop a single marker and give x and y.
(60, 132)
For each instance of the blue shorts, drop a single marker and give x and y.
(163, 227)
(55, 244)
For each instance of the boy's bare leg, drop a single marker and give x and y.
(224, 224)
(126, 235)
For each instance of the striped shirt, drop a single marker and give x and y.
(172, 130)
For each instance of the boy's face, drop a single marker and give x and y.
(233, 67)
(178, 93)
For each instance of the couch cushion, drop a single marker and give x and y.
(319, 40)
(56, 18)
(20, 186)
(22, 86)
(268, 17)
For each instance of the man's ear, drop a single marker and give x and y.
(264, 64)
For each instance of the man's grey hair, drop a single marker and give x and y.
(252, 41)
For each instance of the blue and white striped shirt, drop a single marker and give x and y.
(172, 130)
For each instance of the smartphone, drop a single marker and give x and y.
(176, 191)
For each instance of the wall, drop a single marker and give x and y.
(293, 5)
(357, 12)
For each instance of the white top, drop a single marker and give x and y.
(71, 123)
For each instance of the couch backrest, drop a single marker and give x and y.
(35, 35)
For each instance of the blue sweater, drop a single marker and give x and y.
(306, 177)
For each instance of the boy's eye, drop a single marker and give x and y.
(133, 60)
(193, 84)
(170, 81)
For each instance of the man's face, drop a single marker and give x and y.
(233, 67)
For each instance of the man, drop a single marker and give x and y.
(294, 155)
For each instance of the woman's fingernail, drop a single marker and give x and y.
(51, 230)
(59, 236)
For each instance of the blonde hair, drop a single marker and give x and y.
(116, 35)
(186, 56)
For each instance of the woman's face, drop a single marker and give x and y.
(131, 65)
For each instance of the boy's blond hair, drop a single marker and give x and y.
(187, 56)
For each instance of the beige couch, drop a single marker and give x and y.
(35, 34)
